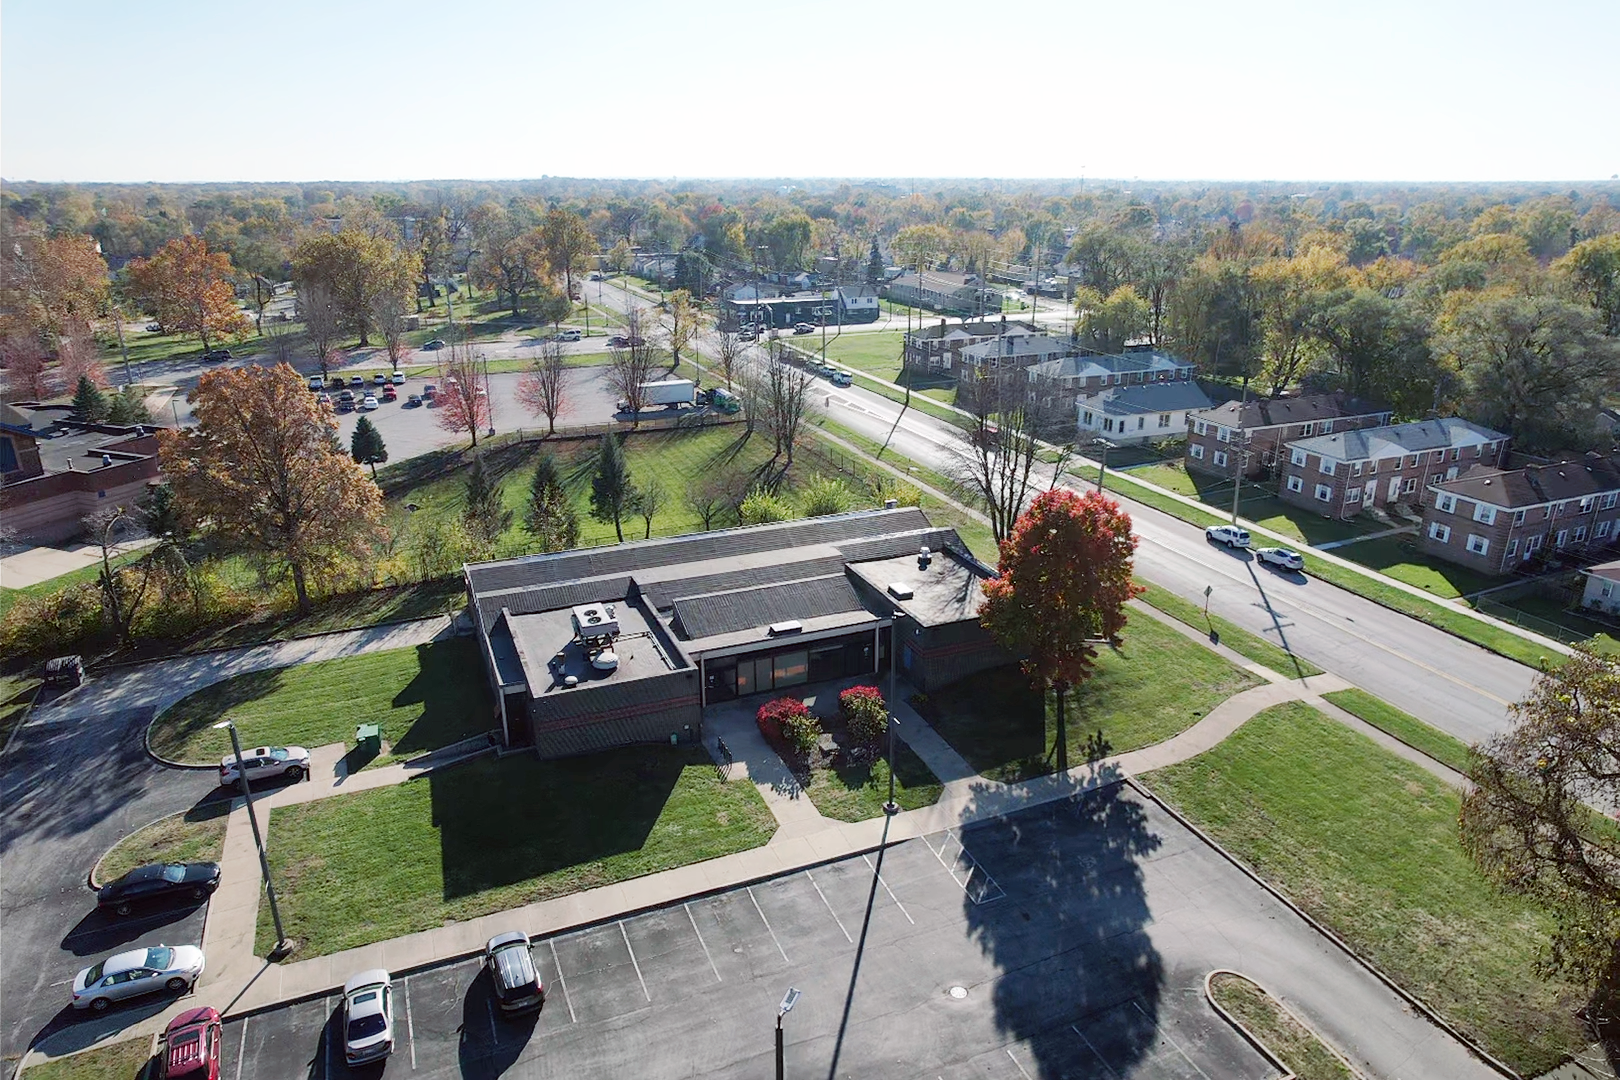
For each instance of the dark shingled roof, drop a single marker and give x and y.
(744, 609)
(1276, 412)
(1537, 484)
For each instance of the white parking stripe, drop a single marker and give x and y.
(890, 891)
(561, 982)
(330, 1034)
(750, 890)
(410, 1028)
(241, 1050)
(1094, 1051)
(1171, 1041)
(699, 934)
(489, 1007)
(830, 910)
(626, 935)
(1014, 1060)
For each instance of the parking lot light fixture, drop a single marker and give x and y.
(788, 1001)
(892, 807)
(281, 948)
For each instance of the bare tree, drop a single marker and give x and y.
(461, 401)
(1001, 447)
(646, 499)
(715, 493)
(123, 589)
(281, 342)
(729, 348)
(542, 390)
(630, 365)
(786, 401)
(388, 316)
(323, 320)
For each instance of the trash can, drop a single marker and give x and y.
(368, 739)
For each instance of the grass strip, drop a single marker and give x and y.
(1446, 749)
(494, 834)
(117, 1061)
(195, 835)
(1366, 842)
(1234, 637)
(856, 791)
(1297, 1046)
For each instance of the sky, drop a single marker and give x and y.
(1417, 90)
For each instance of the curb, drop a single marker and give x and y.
(1266, 1051)
(91, 878)
(1415, 1002)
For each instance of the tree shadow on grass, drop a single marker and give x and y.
(173, 732)
(1070, 934)
(455, 704)
(996, 720)
(505, 822)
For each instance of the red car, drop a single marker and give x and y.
(191, 1045)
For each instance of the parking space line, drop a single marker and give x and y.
(1170, 1040)
(974, 867)
(241, 1050)
(410, 1027)
(489, 1007)
(1014, 1060)
(699, 934)
(750, 890)
(327, 1002)
(830, 910)
(1094, 1051)
(562, 982)
(634, 963)
(890, 891)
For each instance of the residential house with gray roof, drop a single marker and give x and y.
(1132, 415)
(1343, 473)
(1265, 425)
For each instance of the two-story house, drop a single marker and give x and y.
(1491, 520)
(938, 346)
(1266, 424)
(1340, 474)
(1013, 351)
(947, 293)
(1073, 376)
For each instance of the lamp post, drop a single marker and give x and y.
(1102, 465)
(258, 840)
(790, 1000)
(891, 807)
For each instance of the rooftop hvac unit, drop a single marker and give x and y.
(595, 621)
(899, 590)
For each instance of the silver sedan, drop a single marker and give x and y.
(137, 973)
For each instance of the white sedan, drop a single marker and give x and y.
(368, 403)
(137, 973)
(368, 1017)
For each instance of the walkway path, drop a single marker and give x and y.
(237, 981)
(1404, 530)
(33, 565)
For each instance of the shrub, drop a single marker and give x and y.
(864, 713)
(826, 495)
(761, 508)
(802, 731)
(65, 621)
(772, 715)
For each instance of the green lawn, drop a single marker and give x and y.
(875, 352)
(1234, 637)
(419, 600)
(496, 834)
(1157, 685)
(852, 792)
(85, 575)
(196, 835)
(424, 698)
(1399, 558)
(1265, 1018)
(1258, 505)
(17, 693)
(1551, 618)
(1446, 749)
(115, 1061)
(1367, 843)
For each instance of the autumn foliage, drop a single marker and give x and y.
(461, 400)
(188, 290)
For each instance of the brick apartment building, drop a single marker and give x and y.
(1073, 376)
(1340, 474)
(1492, 520)
(1267, 424)
(938, 346)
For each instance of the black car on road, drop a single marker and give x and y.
(159, 883)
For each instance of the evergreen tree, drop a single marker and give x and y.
(89, 403)
(550, 516)
(485, 516)
(610, 487)
(874, 265)
(127, 407)
(366, 445)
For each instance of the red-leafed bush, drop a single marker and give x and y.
(772, 715)
(864, 714)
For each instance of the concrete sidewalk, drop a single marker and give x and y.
(38, 564)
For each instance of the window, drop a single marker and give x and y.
(1108, 425)
(1220, 457)
(1200, 427)
(1532, 545)
(1601, 531)
(1297, 456)
(1372, 466)
(1141, 422)
(1454, 452)
(1513, 547)
(1580, 533)
(1308, 430)
(1195, 451)
(1327, 426)
(1296, 484)
(1518, 517)
(1608, 501)
(1164, 419)
(1086, 418)
(1355, 469)
(1586, 505)
(1478, 545)
(1439, 455)
(1445, 502)
(1223, 434)
(1353, 495)
(1324, 493)
(1440, 532)
(1558, 508)
(1485, 514)
(1562, 538)
(1410, 485)
(1412, 462)
(1327, 467)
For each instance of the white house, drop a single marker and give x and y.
(1130, 415)
(1602, 587)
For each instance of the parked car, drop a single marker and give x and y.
(380, 379)
(414, 401)
(570, 334)
(357, 380)
(217, 354)
(596, 276)
(154, 328)
(618, 341)
(368, 403)
(747, 333)
(512, 973)
(1280, 557)
(389, 393)
(368, 1017)
(334, 381)
(1230, 535)
(264, 762)
(840, 378)
(434, 344)
(397, 378)
(429, 392)
(345, 404)
(137, 973)
(316, 383)
(64, 671)
(191, 1045)
(158, 883)
(803, 328)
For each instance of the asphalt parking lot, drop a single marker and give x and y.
(951, 956)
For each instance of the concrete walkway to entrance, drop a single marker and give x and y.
(753, 760)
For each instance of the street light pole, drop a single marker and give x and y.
(1102, 464)
(891, 807)
(1237, 449)
(258, 840)
(782, 1010)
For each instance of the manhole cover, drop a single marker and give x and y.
(958, 992)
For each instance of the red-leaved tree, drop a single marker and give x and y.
(1060, 591)
(461, 401)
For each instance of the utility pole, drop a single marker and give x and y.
(1238, 447)
(118, 321)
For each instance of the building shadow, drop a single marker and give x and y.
(488, 1043)
(571, 812)
(1062, 912)
(452, 706)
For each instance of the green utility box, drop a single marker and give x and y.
(368, 739)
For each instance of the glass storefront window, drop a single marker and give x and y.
(792, 668)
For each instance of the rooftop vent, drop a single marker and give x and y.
(924, 556)
(791, 626)
(571, 681)
(900, 590)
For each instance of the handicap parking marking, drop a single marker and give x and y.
(964, 869)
